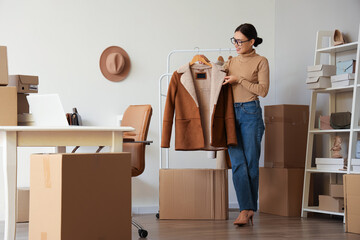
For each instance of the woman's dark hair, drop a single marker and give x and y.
(250, 32)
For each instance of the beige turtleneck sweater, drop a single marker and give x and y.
(252, 71)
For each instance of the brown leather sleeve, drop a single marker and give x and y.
(169, 111)
(230, 117)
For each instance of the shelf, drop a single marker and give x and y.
(339, 48)
(324, 171)
(336, 89)
(316, 209)
(318, 131)
(356, 129)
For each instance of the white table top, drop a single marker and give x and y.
(67, 128)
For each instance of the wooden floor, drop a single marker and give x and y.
(266, 226)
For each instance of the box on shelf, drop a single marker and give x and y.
(329, 163)
(321, 70)
(283, 122)
(23, 197)
(3, 66)
(280, 191)
(8, 106)
(342, 77)
(22, 103)
(331, 204)
(337, 190)
(26, 119)
(352, 200)
(347, 66)
(324, 123)
(355, 163)
(318, 82)
(80, 196)
(24, 83)
(193, 194)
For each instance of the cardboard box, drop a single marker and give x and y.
(8, 106)
(318, 82)
(193, 194)
(286, 135)
(337, 190)
(352, 200)
(80, 196)
(3, 66)
(331, 204)
(23, 197)
(24, 83)
(280, 191)
(22, 103)
(321, 70)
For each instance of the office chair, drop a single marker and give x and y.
(138, 117)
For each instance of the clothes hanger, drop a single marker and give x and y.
(200, 58)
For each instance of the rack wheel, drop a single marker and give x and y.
(157, 215)
(142, 233)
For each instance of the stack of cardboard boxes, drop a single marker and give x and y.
(281, 180)
(14, 107)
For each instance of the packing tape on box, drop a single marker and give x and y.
(273, 119)
(46, 164)
(43, 236)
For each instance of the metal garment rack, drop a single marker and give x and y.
(161, 94)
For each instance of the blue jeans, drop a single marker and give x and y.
(245, 156)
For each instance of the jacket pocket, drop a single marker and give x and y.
(218, 134)
(182, 131)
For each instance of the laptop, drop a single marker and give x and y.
(47, 110)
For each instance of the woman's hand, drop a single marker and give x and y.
(230, 79)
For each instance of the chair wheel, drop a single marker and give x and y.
(143, 233)
(157, 215)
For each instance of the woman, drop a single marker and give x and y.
(248, 73)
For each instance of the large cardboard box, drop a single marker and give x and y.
(332, 204)
(193, 194)
(286, 135)
(352, 202)
(23, 197)
(337, 190)
(80, 196)
(24, 83)
(3, 66)
(280, 191)
(8, 106)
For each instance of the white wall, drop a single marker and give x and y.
(62, 43)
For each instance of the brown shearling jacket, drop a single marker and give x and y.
(182, 98)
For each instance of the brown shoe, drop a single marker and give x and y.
(243, 218)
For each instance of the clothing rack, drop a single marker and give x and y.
(161, 94)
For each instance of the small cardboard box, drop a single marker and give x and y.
(321, 70)
(352, 202)
(331, 204)
(24, 83)
(23, 197)
(193, 194)
(8, 106)
(22, 103)
(3, 66)
(286, 135)
(280, 191)
(80, 196)
(337, 190)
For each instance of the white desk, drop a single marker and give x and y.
(12, 137)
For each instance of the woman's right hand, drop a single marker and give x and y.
(230, 79)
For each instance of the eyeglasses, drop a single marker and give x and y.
(238, 41)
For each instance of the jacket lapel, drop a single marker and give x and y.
(187, 81)
(217, 79)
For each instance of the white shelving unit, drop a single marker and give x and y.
(354, 128)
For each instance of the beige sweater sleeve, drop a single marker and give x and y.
(262, 87)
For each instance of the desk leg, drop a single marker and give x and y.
(10, 184)
(117, 142)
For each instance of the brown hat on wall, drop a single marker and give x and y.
(115, 63)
